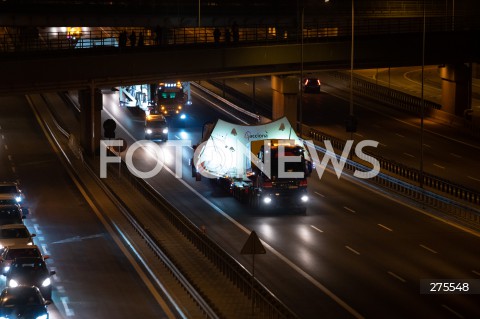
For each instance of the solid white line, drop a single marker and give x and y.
(319, 194)
(396, 276)
(476, 272)
(409, 154)
(439, 166)
(383, 226)
(349, 209)
(429, 249)
(399, 135)
(319, 230)
(247, 231)
(453, 311)
(68, 311)
(352, 250)
(475, 179)
(456, 155)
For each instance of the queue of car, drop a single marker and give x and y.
(28, 284)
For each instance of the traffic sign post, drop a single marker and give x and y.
(253, 246)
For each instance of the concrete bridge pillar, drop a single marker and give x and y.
(285, 96)
(90, 118)
(456, 88)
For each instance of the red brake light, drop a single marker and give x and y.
(303, 182)
(267, 184)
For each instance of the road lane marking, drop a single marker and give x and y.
(475, 179)
(45, 249)
(426, 145)
(321, 195)
(396, 276)
(382, 144)
(476, 272)
(10, 158)
(352, 250)
(246, 83)
(6, 147)
(60, 289)
(357, 134)
(68, 311)
(408, 154)
(399, 135)
(247, 231)
(439, 166)
(3, 137)
(385, 227)
(428, 248)
(453, 311)
(456, 155)
(13, 169)
(37, 229)
(319, 230)
(349, 209)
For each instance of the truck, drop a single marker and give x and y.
(263, 166)
(170, 99)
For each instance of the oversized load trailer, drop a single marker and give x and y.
(264, 166)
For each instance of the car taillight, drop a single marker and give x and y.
(267, 184)
(303, 182)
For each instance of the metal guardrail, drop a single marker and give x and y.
(409, 173)
(266, 304)
(451, 207)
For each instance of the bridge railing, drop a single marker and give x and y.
(330, 29)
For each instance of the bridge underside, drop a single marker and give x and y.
(25, 72)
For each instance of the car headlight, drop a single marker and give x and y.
(165, 131)
(6, 268)
(18, 198)
(1, 247)
(46, 282)
(183, 116)
(44, 316)
(304, 198)
(30, 243)
(267, 200)
(148, 131)
(13, 283)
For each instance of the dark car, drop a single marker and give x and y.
(24, 302)
(29, 271)
(11, 253)
(312, 85)
(156, 127)
(11, 214)
(12, 188)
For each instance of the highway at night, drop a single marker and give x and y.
(355, 253)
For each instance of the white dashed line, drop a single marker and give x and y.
(246, 83)
(409, 154)
(68, 311)
(10, 158)
(396, 276)
(475, 179)
(456, 155)
(453, 311)
(352, 250)
(3, 137)
(6, 147)
(426, 145)
(427, 248)
(384, 145)
(14, 169)
(385, 227)
(439, 166)
(399, 135)
(357, 134)
(45, 249)
(37, 229)
(321, 195)
(319, 230)
(349, 209)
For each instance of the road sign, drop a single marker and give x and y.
(253, 245)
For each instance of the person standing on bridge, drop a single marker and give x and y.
(141, 39)
(227, 35)
(235, 32)
(216, 35)
(133, 39)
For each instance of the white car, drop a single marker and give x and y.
(15, 234)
